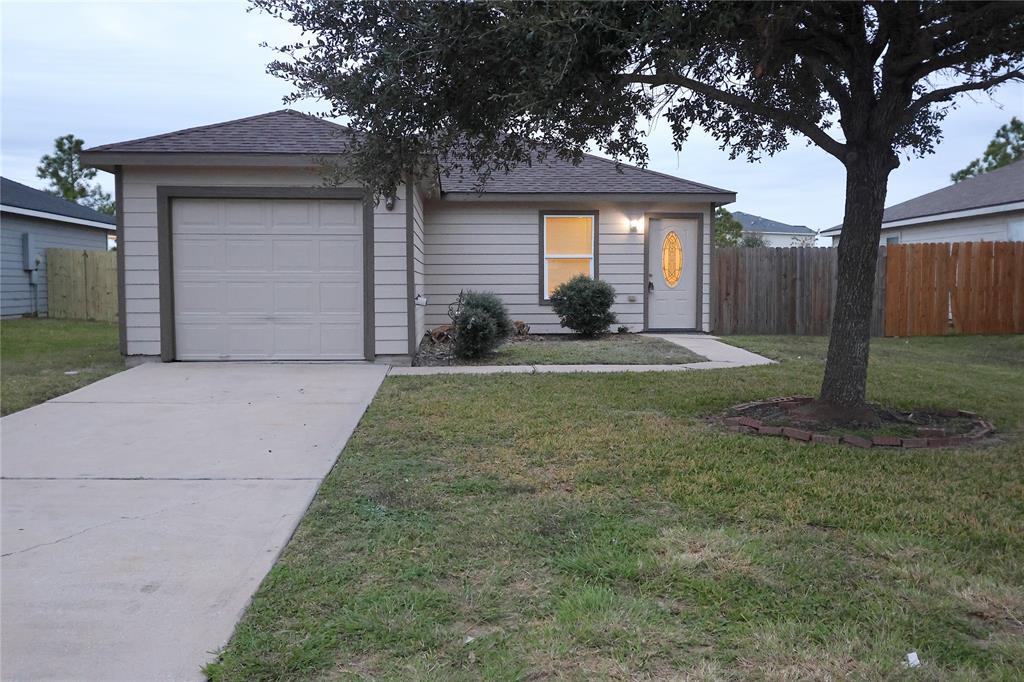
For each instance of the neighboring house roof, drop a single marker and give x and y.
(755, 223)
(22, 199)
(986, 191)
(291, 132)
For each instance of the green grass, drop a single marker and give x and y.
(35, 354)
(617, 349)
(599, 527)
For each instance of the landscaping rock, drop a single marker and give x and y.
(886, 441)
(796, 434)
(857, 441)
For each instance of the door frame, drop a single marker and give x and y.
(165, 251)
(699, 217)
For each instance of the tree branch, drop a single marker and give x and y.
(788, 118)
(943, 94)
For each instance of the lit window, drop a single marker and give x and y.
(568, 249)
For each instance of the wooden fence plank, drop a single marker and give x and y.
(81, 284)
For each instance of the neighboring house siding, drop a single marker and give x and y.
(490, 246)
(16, 293)
(989, 228)
(786, 240)
(142, 285)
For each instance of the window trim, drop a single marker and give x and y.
(542, 273)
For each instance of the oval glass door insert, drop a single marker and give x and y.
(671, 259)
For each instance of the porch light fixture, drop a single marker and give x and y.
(636, 226)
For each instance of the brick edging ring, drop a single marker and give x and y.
(980, 429)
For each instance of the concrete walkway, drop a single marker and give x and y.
(140, 513)
(719, 356)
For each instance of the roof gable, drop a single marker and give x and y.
(17, 195)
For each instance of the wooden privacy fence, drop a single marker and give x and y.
(765, 290)
(965, 288)
(82, 285)
(920, 290)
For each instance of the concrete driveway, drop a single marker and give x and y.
(140, 513)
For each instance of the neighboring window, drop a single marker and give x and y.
(892, 240)
(568, 249)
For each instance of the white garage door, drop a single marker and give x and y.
(261, 279)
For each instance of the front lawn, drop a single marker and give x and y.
(564, 349)
(598, 527)
(37, 354)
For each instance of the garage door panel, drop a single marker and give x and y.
(340, 339)
(335, 297)
(262, 279)
(295, 297)
(199, 297)
(340, 255)
(247, 298)
(341, 217)
(246, 255)
(199, 255)
(295, 255)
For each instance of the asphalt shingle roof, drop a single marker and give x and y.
(593, 175)
(22, 196)
(1002, 186)
(291, 132)
(755, 223)
(278, 132)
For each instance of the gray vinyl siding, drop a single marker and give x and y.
(16, 293)
(495, 247)
(142, 285)
(418, 265)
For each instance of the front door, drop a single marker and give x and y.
(672, 257)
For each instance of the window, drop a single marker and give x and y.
(892, 240)
(568, 246)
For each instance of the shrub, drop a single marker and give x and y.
(494, 307)
(476, 331)
(584, 305)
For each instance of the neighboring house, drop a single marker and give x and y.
(988, 207)
(231, 246)
(775, 233)
(32, 221)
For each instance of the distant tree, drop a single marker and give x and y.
(69, 179)
(497, 84)
(805, 240)
(1005, 148)
(728, 230)
(751, 239)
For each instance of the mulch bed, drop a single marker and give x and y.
(918, 429)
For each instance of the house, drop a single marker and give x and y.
(987, 207)
(773, 232)
(32, 221)
(233, 248)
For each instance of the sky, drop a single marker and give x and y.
(112, 71)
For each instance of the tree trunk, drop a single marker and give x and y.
(846, 368)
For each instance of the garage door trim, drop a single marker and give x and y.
(164, 195)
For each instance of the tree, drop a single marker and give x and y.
(490, 85)
(69, 179)
(1006, 147)
(728, 230)
(752, 239)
